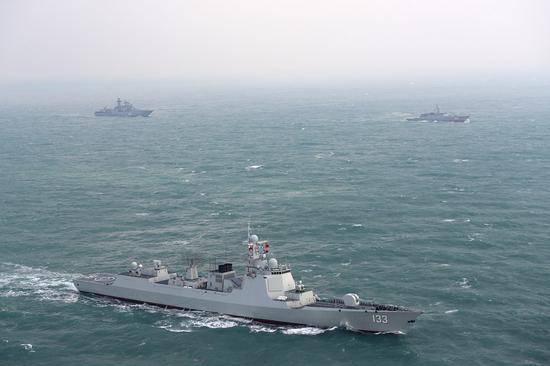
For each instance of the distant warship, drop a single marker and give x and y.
(437, 116)
(123, 109)
(266, 292)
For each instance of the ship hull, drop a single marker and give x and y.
(134, 113)
(455, 119)
(238, 303)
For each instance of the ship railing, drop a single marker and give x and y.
(339, 303)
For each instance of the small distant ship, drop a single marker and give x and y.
(437, 116)
(123, 109)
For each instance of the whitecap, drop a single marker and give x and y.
(448, 220)
(451, 311)
(464, 283)
(254, 167)
(142, 214)
(169, 328)
(346, 264)
(27, 347)
(357, 225)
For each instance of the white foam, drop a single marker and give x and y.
(20, 281)
(142, 214)
(357, 225)
(171, 328)
(256, 328)
(464, 283)
(451, 311)
(448, 220)
(27, 347)
(304, 331)
(254, 167)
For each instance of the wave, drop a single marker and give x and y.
(27, 347)
(188, 321)
(22, 281)
(253, 167)
(464, 283)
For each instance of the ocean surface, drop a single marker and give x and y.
(452, 219)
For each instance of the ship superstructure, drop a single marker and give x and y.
(123, 109)
(266, 292)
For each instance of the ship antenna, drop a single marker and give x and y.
(249, 231)
(437, 108)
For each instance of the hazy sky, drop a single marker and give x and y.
(260, 40)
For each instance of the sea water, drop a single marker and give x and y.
(448, 218)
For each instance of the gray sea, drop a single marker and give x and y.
(452, 219)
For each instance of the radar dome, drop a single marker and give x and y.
(134, 265)
(254, 238)
(351, 299)
(273, 263)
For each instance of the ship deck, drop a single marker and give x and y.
(366, 305)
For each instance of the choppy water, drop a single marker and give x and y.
(448, 218)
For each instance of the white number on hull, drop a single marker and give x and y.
(377, 318)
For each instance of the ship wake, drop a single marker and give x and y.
(38, 283)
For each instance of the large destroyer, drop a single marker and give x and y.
(267, 292)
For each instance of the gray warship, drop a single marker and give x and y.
(123, 109)
(266, 292)
(437, 116)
